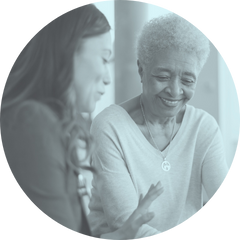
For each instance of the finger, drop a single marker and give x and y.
(140, 198)
(82, 192)
(143, 219)
(150, 197)
(81, 144)
(81, 180)
(150, 190)
(154, 194)
(158, 184)
(155, 187)
(151, 187)
(154, 190)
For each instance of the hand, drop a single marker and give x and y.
(139, 217)
(82, 187)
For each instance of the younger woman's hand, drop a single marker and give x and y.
(83, 190)
(139, 217)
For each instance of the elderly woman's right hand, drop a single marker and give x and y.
(139, 217)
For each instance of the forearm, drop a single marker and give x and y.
(113, 235)
(119, 235)
(108, 236)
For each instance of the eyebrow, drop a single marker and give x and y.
(162, 69)
(190, 74)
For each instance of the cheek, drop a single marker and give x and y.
(82, 89)
(189, 92)
(93, 89)
(150, 85)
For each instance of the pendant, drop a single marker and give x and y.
(166, 165)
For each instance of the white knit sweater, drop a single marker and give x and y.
(128, 164)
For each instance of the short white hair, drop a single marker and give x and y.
(171, 31)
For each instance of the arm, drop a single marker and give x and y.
(117, 192)
(139, 217)
(36, 157)
(214, 168)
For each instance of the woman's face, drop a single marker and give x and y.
(169, 81)
(90, 70)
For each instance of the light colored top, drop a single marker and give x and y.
(33, 145)
(128, 164)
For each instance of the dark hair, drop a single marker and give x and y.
(43, 70)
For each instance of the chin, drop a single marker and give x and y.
(87, 106)
(91, 108)
(87, 109)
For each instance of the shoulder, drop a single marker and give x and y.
(111, 116)
(31, 132)
(201, 118)
(33, 113)
(33, 110)
(131, 105)
(30, 118)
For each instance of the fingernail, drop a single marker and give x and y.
(82, 192)
(81, 180)
(80, 177)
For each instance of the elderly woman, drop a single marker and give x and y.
(157, 136)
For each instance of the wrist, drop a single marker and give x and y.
(116, 235)
(106, 236)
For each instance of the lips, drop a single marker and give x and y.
(97, 97)
(170, 103)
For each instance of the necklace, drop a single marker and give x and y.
(166, 166)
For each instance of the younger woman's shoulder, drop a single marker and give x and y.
(31, 113)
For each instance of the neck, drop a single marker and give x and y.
(153, 118)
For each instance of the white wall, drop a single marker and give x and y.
(229, 117)
(107, 8)
(155, 11)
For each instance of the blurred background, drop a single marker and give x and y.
(215, 92)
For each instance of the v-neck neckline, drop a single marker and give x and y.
(148, 144)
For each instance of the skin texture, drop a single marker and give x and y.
(171, 75)
(90, 71)
(168, 77)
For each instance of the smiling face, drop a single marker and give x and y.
(169, 82)
(90, 70)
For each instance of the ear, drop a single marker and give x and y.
(140, 69)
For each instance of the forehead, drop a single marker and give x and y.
(174, 60)
(96, 44)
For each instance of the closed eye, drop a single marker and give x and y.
(187, 81)
(163, 78)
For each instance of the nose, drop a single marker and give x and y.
(174, 88)
(107, 77)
